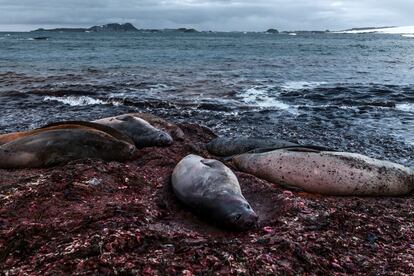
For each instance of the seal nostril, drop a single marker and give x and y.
(237, 217)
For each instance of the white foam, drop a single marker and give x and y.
(298, 85)
(408, 107)
(258, 96)
(79, 101)
(408, 35)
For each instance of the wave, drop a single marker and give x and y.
(81, 101)
(299, 85)
(407, 107)
(258, 96)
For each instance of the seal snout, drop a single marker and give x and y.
(131, 150)
(246, 219)
(164, 139)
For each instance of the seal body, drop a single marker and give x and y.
(57, 146)
(172, 129)
(329, 173)
(141, 132)
(9, 137)
(228, 146)
(212, 190)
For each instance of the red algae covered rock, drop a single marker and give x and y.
(94, 217)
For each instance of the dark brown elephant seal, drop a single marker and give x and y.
(9, 137)
(54, 146)
(141, 132)
(212, 190)
(228, 146)
(328, 172)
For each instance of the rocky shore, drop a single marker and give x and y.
(94, 217)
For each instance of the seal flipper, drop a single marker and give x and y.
(212, 163)
(127, 117)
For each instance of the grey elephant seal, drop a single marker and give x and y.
(228, 146)
(59, 145)
(329, 173)
(213, 191)
(141, 132)
(172, 129)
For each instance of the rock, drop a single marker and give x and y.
(272, 31)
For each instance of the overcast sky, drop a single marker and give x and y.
(220, 15)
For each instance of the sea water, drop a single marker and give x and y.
(349, 92)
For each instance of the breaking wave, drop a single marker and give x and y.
(80, 101)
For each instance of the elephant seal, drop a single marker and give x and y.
(172, 129)
(213, 191)
(141, 132)
(328, 173)
(228, 146)
(6, 138)
(54, 146)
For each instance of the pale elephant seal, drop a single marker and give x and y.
(53, 146)
(328, 173)
(141, 132)
(228, 146)
(213, 191)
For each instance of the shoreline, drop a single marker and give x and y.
(107, 217)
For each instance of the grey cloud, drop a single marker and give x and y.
(207, 14)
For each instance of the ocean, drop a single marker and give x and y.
(348, 92)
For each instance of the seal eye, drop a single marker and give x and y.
(248, 206)
(237, 217)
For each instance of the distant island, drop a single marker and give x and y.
(128, 27)
(114, 27)
(368, 28)
(275, 31)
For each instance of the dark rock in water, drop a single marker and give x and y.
(272, 31)
(114, 27)
(41, 38)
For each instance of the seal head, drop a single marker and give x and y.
(233, 212)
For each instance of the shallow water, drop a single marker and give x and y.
(346, 91)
